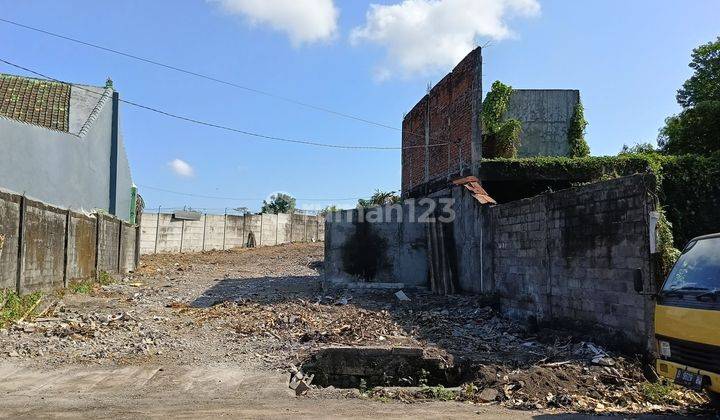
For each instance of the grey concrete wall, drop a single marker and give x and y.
(43, 247)
(9, 224)
(269, 229)
(148, 230)
(64, 169)
(46, 247)
(545, 115)
(169, 236)
(473, 242)
(298, 227)
(108, 244)
(235, 233)
(283, 227)
(193, 232)
(572, 254)
(216, 232)
(81, 247)
(127, 248)
(567, 255)
(398, 247)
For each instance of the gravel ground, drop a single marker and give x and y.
(264, 309)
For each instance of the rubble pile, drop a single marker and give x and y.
(303, 321)
(85, 336)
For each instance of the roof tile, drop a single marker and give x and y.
(35, 101)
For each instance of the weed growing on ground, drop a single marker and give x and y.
(439, 393)
(13, 307)
(81, 287)
(657, 393)
(89, 286)
(105, 278)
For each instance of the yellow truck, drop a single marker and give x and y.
(687, 318)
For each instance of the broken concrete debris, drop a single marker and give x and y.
(402, 296)
(299, 382)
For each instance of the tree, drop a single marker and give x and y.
(329, 209)
(379, 198)
(704, 85)
(576, 133)
(697, 128)
(279, 203)
(638, 149)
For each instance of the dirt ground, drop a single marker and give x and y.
(181, 322)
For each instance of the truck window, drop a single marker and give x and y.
(698, 268)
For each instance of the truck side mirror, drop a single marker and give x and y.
(638, 279)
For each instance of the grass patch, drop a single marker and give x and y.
(14, 307)
(104, 278)
(658, 393)
(439, 393)
(82, 287)
(85, 287)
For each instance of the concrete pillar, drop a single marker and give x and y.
(476, 130)
(21, 246)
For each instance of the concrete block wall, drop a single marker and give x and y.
(572, 255)
(47, 247)
(217, 232)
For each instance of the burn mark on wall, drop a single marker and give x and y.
(364, 253)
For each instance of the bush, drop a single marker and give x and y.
(687, 186)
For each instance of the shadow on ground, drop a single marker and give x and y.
(492, 351)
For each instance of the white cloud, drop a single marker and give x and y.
(304, 21)
(420, 36)
(181, 168)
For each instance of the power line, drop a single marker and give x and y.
(214, 79)
(213, 197)
(227, 128)
(203, 76)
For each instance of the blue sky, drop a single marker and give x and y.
(627, 58)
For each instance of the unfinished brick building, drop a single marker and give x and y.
(442, 135)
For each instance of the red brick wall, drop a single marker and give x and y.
(449, 109)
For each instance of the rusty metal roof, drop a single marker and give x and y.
(473, 185)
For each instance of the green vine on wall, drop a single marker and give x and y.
(665, 245)
(505, 133)
(576, 133)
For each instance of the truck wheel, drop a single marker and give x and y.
(714, 399)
